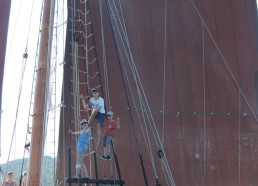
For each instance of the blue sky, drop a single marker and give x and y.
(17, 39)
(21, 34)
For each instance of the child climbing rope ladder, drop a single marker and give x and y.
(96, 105)
(109, 130)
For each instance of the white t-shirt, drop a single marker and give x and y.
(99, 102)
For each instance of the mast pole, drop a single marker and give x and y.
(39, 111)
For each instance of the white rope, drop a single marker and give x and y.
(132, 67)
(240, 93)
(104, 60)
(33, 79)
(140, 91)
(146, 140)
(21, 82)
(134, 102)
(164, 73)
(224, 61)
(155, 133)
(17, 17)
(204, 106)
(30, 23)
(77, 10)
(239, 140)
(76, 97)
(75, 78)
(62, 118)
(59, 31)
(86, 47)
(107, 98)
(17, 111)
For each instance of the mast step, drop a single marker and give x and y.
(99, 181)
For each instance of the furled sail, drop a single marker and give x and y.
(4, 22)
(181, 75)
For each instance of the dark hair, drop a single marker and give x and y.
(94, 90)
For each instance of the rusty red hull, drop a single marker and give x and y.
(195, 73)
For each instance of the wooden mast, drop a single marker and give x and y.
(38, 123)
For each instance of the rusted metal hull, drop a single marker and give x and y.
(197, 63)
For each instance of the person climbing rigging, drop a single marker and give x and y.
(29, 129)
(109, 130)
(10, 181)
(96, 106)
(24, 178)
(27, 144)
(82, 148)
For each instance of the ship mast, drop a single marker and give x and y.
(41, 87)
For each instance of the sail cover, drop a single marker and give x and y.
(5, 7)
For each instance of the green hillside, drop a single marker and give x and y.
(18, 166)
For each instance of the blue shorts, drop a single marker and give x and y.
(100, 118)
(106, 140)
(82, 147)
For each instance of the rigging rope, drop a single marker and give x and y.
(70, 27)
(239, 137)
(15, 30)
(241, 93)
(164, 72)
(107, 95)
(17, 110)
(141, 95)
(128, 103)
(85, 35)
(224, 60)
(204, 106)
(29, 24)
(135, 75)
(25, 56)
(107, 98)
(86, 5)
(75, 79)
